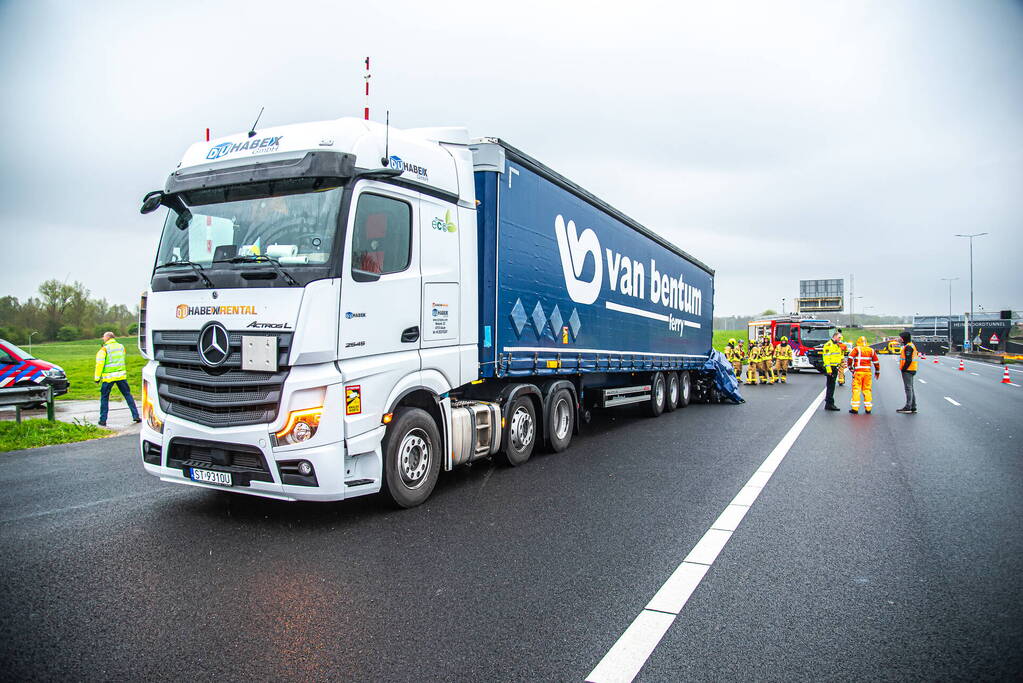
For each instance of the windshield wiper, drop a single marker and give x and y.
(195, 266)
(253, 258)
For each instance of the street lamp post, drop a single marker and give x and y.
(783, 305)
(970, 317)
(949, 280)
(852, 303)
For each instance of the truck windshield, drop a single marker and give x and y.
(295, 230)
(815, 336)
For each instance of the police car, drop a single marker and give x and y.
(20, 368)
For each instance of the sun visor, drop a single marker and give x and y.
(321, 164)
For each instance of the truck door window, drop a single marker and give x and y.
(382, 237)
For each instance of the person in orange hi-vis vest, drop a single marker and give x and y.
(860, 360)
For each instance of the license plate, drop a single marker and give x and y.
(209, 477)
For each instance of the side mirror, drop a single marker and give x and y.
(151, 202)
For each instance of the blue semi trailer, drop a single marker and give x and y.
(339, 308)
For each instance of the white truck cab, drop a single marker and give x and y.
(315, 285)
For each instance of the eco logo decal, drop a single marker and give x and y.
(445, 225)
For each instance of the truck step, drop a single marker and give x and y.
(620, 396)
(625, 400)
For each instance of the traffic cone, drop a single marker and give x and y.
(962, 365)
(935, 359)
(1005, 377)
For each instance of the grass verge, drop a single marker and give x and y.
(33, 433)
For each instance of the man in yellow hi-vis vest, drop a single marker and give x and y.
(110, 370)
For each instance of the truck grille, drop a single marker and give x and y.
(226, 396)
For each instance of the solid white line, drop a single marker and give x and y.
(730, 518)
(630, 652)
(672, 596)
(951, 401)
(707, 548)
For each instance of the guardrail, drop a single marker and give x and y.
(20, 397)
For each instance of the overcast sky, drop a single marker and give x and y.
(775, 141)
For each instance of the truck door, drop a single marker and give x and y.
(381, 291)
(439, 261)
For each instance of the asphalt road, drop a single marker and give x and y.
(886, 546)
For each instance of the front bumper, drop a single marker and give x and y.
(328, 461)
(801, 363)
(60, 384)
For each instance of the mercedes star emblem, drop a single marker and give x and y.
(214, 345)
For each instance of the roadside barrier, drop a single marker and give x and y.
(1005, 376)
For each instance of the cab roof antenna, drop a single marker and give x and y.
(252, 131)
(387, 140)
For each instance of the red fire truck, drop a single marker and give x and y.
(806, 337)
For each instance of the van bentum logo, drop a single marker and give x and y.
(214, 344)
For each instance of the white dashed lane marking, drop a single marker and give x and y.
(628, 655)
(953, 402)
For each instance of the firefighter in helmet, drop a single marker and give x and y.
(767, 360)
(782, 358)
(734, 355)
(752, 376)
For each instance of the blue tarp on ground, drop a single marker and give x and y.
(724, 376)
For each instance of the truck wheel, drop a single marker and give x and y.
(519, 433)
(412, 454)
(562, 420)
(685, 389)
(673, 392)
(658, 395)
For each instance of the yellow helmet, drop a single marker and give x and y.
(861, 341)
(731, 342)
(784, 339)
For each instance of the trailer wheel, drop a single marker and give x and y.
(674, 395)
(658, 395)
(519, 435)
(685, 389)
(412, 455)
(562, 420)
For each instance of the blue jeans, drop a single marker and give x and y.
(104, 398)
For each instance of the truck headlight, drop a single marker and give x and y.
(149, 411)
(301, 426)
